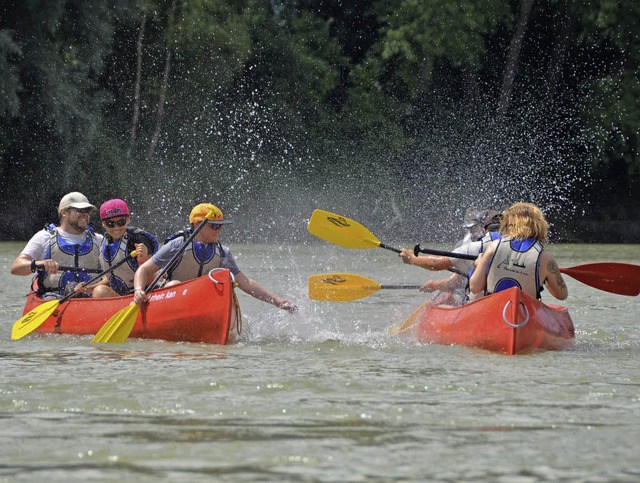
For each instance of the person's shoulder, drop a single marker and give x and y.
(468, 248)
(41, 234)
(181, 235)
(172, 244)
(98, 237)
(140, 234)
(491, 236)
(546, 257)
(139, 231)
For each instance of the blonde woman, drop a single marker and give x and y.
(518, 258)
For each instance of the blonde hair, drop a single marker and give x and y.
(524, 220)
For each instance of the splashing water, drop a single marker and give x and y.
(418, 193)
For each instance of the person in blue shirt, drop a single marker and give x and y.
(203, 254)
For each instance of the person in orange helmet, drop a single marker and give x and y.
(204, 253)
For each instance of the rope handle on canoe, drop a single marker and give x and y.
(234, 284)
(236, 303)
(521, 324)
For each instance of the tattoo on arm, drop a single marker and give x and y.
(552, 266)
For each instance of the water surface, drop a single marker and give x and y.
(326, 394)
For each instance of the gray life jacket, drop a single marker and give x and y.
(121, 279)
(515, 263)
(82, 255)
(197, 259)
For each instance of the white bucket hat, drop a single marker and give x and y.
(75, 200)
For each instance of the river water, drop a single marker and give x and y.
(325, 394)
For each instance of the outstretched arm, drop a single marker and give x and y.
(253, 288)
(449, 284)
(429, 262)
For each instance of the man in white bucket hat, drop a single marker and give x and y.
(72, 245)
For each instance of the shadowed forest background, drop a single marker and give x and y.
(397, 113)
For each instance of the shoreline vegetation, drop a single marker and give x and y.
(405, 111)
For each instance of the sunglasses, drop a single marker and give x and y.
(112, 224)
(215, 226)
(81, 210)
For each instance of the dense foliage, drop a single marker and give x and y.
(269, 107)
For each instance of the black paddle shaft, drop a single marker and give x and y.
(72, 269)
(393, 249)
(90, 270)
(178, 254)
(417, 250)
(442, 253)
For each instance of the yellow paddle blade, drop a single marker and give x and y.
(119, 326)
(34, 319)
(341, 287)
(341, 230)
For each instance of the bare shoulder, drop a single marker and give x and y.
(549, 263)
(490, 249)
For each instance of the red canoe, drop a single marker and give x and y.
(200, 310)
(510, 322)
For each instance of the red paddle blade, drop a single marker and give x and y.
(618, 278)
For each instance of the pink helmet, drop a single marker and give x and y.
(112, 208)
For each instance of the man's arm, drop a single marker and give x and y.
(23, 264)
(253, 288)
(428, 262)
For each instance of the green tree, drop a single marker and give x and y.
(62, 46)
(611, 108)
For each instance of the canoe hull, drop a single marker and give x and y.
(510, 322)
(199, 310)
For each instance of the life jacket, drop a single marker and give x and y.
(82, 255)
(515, 263)
(112, 252)
(462, 295)
(480, 246)
(197, 258)
(488, 238)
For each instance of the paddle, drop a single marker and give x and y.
(618, 278)
(348, 233)
(34, 319)
(417, 249)
(343, 231)
(120, 325)
(64, 268)
(344, 287)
